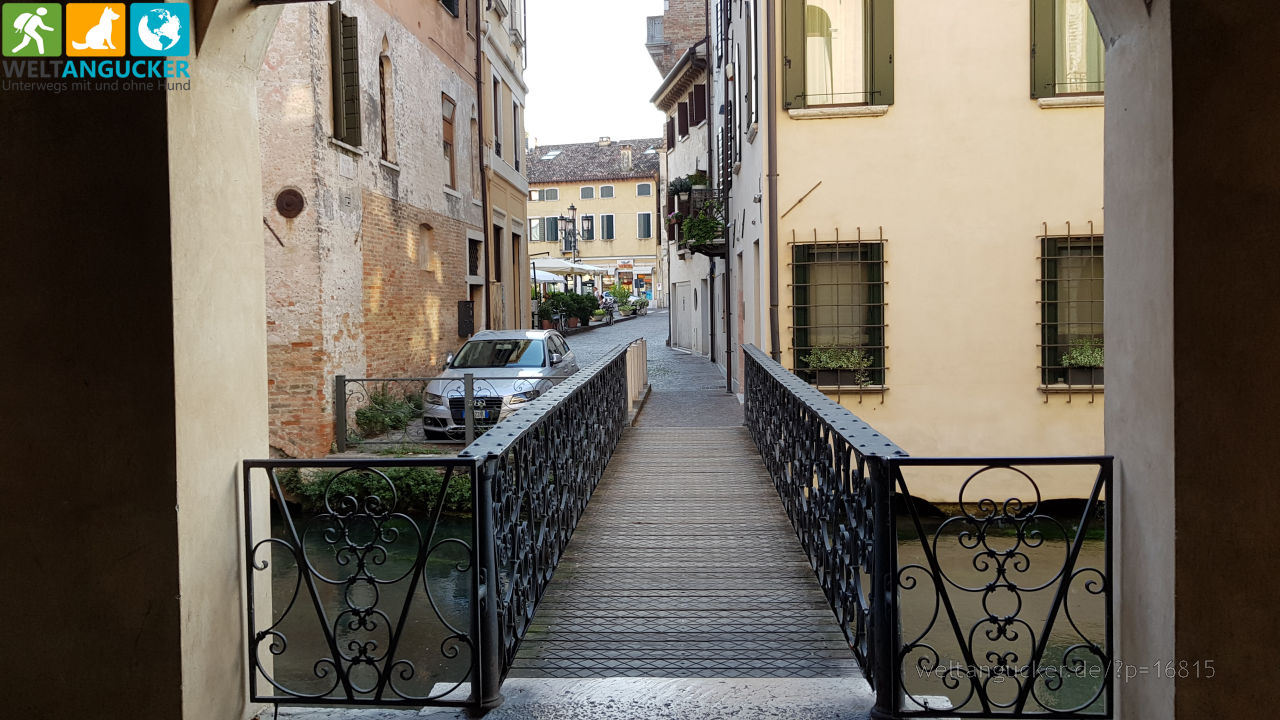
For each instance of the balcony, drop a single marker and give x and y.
(691, 204)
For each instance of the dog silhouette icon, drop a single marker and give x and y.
(99, 36)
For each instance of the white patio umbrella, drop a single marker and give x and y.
(541, 276)
(564, 267)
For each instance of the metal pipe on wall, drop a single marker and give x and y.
(774, 350)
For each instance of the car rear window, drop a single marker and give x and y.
(500, 353)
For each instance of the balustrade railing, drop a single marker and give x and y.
(996, 603)
(369, 585)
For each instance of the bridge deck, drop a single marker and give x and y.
(684, 565)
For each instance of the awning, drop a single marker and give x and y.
(564, 267)
(643, 270)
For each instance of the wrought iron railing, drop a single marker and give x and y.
(542, 466)
(374, 594)
(994, 606)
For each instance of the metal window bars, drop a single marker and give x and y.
(838, 306)
(1071, 312)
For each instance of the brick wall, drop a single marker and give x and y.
(683, 24)
(410, 300)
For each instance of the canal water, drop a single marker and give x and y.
(363, 613)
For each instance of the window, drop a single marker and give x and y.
(644, 225)
(682, 119)
(752, 110)
(644, 190)
(551, 194)
(698, 104)
(586, 192)
(606, 191)
(386, 93)
(568, 241)
(446, 130)
(606, 227)
(451, 6)
(838, 308)
(587, 223)
(837, 52)
(517, 147)
(1071, 348)
(497, 117)
(345, 67)
(535, 229)
(535, 195)
(551, 229)
(473, 257)
(1067, 55)
(497, 253)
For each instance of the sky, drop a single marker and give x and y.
(589, 74)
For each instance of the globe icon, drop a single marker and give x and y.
(159, 29)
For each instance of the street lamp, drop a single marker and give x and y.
(570, 240)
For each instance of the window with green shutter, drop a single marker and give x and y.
(1067, 54)
(345, 66)
(837, 52)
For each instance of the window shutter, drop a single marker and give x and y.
(1042, 42)
(671, 132)
(683, 115)
(793, 54)
(344, 36)
(881, 40)
(699, 103)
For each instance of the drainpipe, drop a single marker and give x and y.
(726, 132)
(774, 350)
(484, 180)
(711, 308)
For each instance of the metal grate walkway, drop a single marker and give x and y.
(684, 565)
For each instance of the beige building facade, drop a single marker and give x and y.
(612, 188)
(922, 222)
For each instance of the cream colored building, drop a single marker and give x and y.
(607, 192)
(937, 205)
(503, 52)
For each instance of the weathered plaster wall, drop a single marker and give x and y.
(325, 281)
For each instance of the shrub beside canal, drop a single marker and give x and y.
(417, 488)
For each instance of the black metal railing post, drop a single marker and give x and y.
(884, 639)
(340, 411)
(487, 685)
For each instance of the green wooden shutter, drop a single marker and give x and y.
(793, 54)
(1042, 45)
(345, 66)
(881, 52)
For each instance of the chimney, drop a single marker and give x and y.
(605, 141)
(626, 157)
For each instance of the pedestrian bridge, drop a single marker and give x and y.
(699, 538)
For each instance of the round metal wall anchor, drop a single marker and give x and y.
(289, 203)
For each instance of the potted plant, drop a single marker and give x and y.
(830, 361)
(679, 187)
(580, 308)
(704, 226)
(698, 180)
(1083, 361)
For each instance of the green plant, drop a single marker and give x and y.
(387, 412)
(698, 178)
(834, 357)
(1084, 352)
(626, 309)
(581, 306)
(704, 226)
(641, 303)
(595, 314)
(679, 185)
(620, 293)
(416, 489)
(553, 304)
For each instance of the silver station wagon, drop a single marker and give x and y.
(511, 367)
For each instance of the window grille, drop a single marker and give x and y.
(1071, 311)
(838, 310)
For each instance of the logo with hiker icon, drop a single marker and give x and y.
(31, 30)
